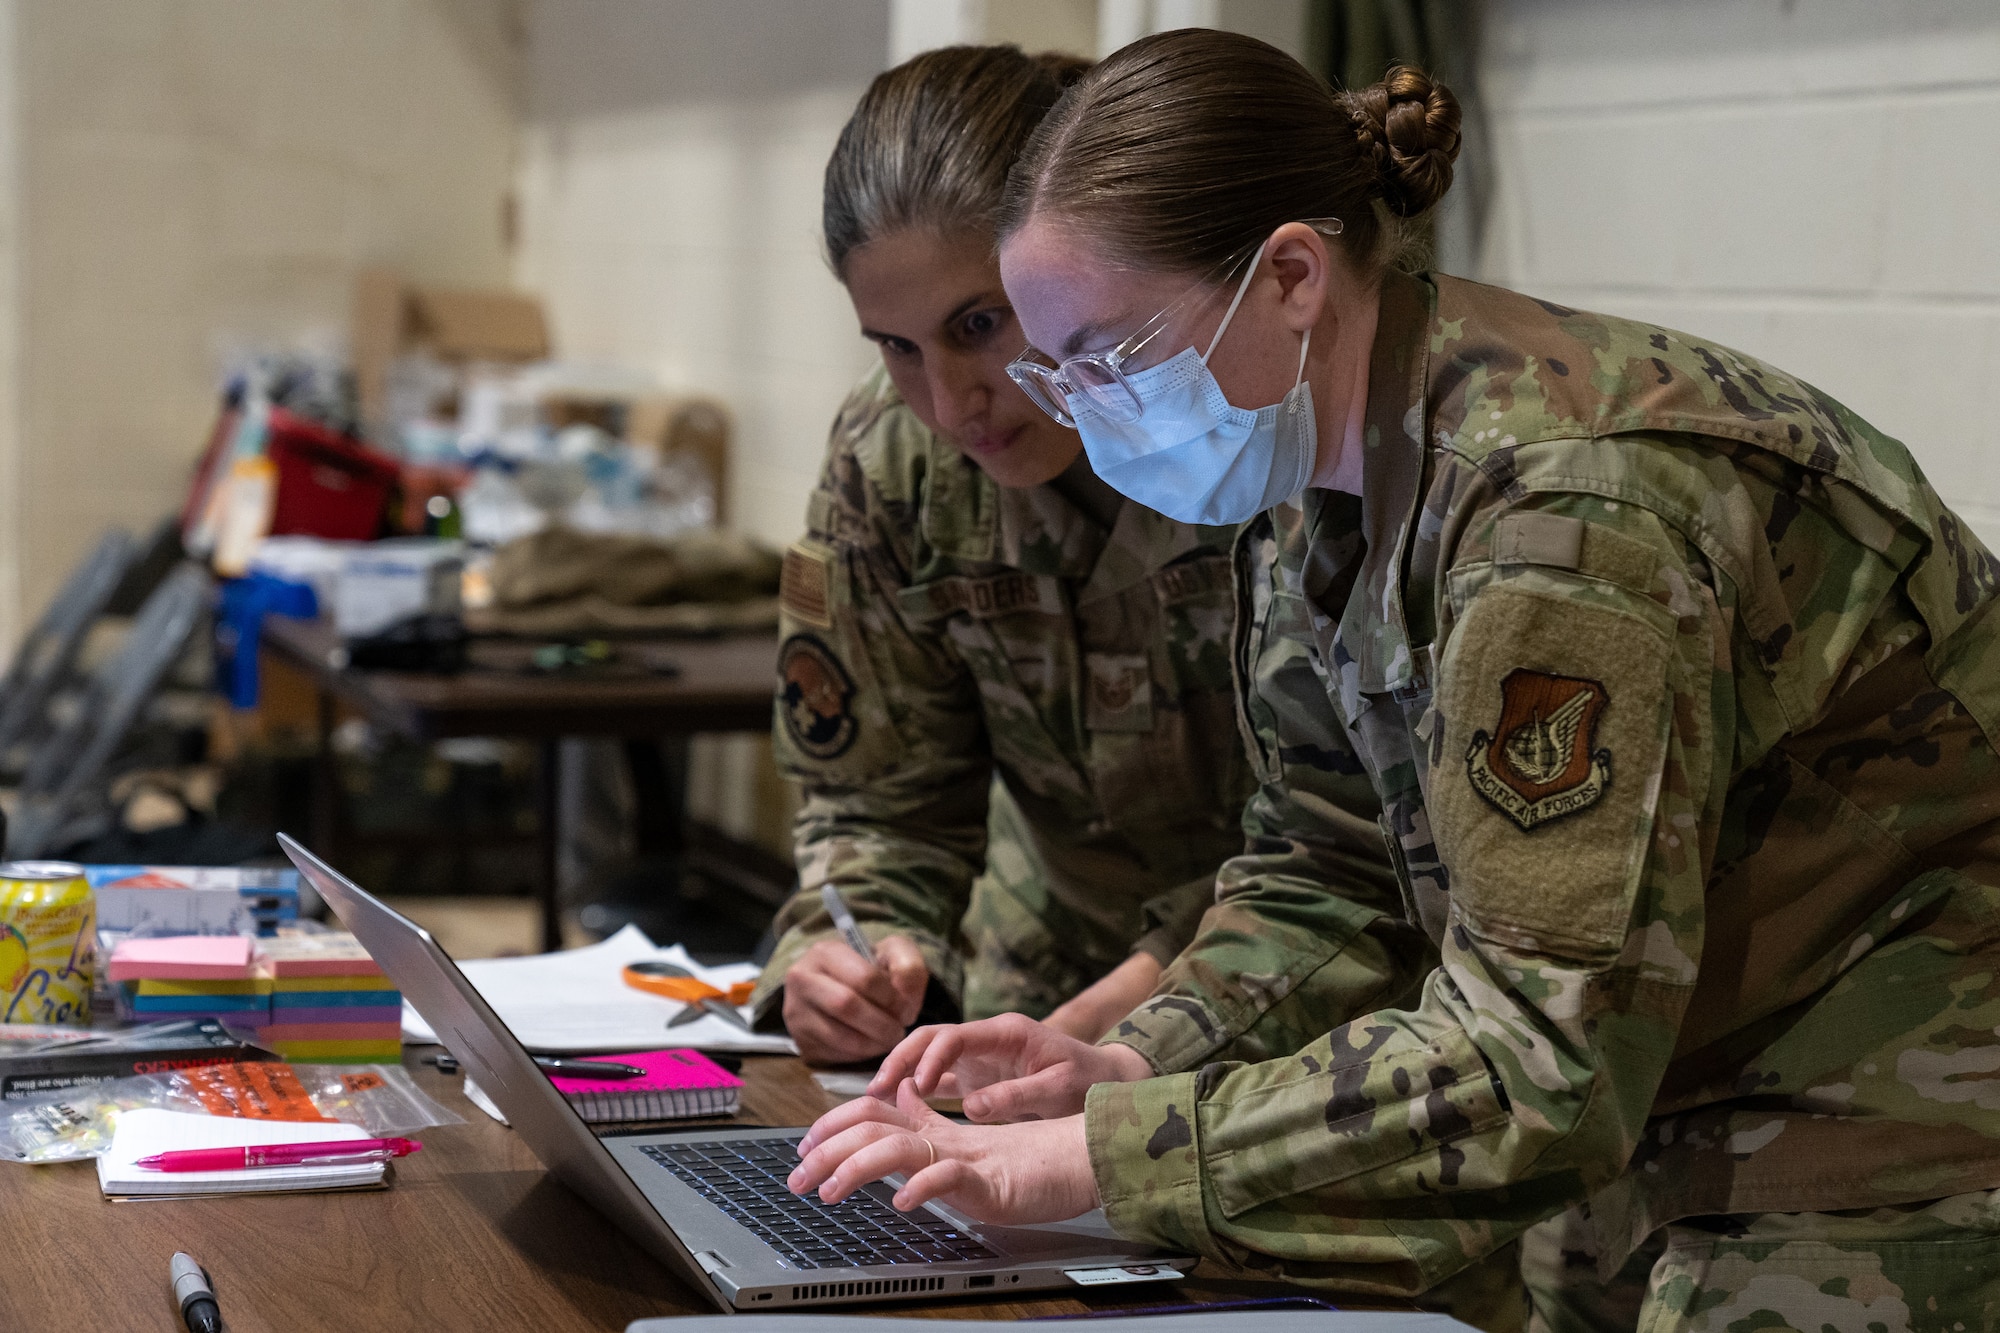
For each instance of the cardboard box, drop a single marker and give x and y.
(393, 317)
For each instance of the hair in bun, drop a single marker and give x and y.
(1182, 148)
(1408, 127)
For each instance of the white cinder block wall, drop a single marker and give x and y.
(1816, 182)
(188, 177)
(670, 191)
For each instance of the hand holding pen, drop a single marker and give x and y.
(852, 998)
(844, 922)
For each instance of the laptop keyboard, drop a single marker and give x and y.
(745, 1178)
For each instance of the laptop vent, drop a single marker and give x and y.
(820, 1291)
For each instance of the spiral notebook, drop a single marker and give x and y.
(677, 1085)
(147, 1130)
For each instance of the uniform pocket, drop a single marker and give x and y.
(1554, 694)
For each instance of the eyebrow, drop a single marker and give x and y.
(1089, 333)
(969, 303)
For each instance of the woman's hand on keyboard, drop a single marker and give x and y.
(1006, 1068)
(1012, 1174)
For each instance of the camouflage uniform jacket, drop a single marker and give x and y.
(1681, 688)
(940, 630)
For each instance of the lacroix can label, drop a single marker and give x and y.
(48, 942)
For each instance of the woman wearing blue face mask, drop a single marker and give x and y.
(1679, 687)
(1005, 691)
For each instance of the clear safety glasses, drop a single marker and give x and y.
(1099, 377)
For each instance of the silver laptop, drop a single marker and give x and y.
(712, 1203)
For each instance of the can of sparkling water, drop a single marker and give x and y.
(48, 942)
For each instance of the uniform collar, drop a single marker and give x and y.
(1373, 642)
(1142, 542)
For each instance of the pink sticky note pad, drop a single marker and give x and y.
(665, 1070)
(184, 958)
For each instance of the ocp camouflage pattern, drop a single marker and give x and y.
(1037, 769)
(1753, 973)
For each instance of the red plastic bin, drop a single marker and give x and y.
(328, 485)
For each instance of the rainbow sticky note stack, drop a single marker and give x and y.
(330, 1003)
(193, 976)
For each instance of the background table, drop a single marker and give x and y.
(720, 684)
(472, 1235)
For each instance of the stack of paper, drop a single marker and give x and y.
(146, 1131)
(192, 976)
(330, 1003)
(576, 1001)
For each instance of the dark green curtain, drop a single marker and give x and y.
(1356, 40)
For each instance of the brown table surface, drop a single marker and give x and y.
(472, 1235)
(723, 684)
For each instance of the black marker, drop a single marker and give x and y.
(198, 1308)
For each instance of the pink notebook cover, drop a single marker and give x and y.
(184, 958)
(666, 1071)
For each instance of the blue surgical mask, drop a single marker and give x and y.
(1190, 454)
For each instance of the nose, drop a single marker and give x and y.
(959, 394)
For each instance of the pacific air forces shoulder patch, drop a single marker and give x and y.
(1539, 762)
(816, 696)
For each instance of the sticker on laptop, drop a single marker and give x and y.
(1106, 1277)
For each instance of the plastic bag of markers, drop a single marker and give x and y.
(78, 1122)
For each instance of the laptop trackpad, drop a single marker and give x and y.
(1088, 1236)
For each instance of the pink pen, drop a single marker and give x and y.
(337, 1152)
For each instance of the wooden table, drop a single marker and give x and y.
(719, 684)
(473, 1235)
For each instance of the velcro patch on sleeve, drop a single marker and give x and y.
(1555, 704)
(1534, 537)
(805, 583)
(816, 698)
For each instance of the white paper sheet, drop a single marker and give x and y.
(575, 1001)
(148, 1130)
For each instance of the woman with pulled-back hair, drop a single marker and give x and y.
(1004, 689)
(1679, 687)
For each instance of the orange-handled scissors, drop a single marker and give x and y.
(673, 982)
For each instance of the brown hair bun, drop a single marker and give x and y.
(1409, 127)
